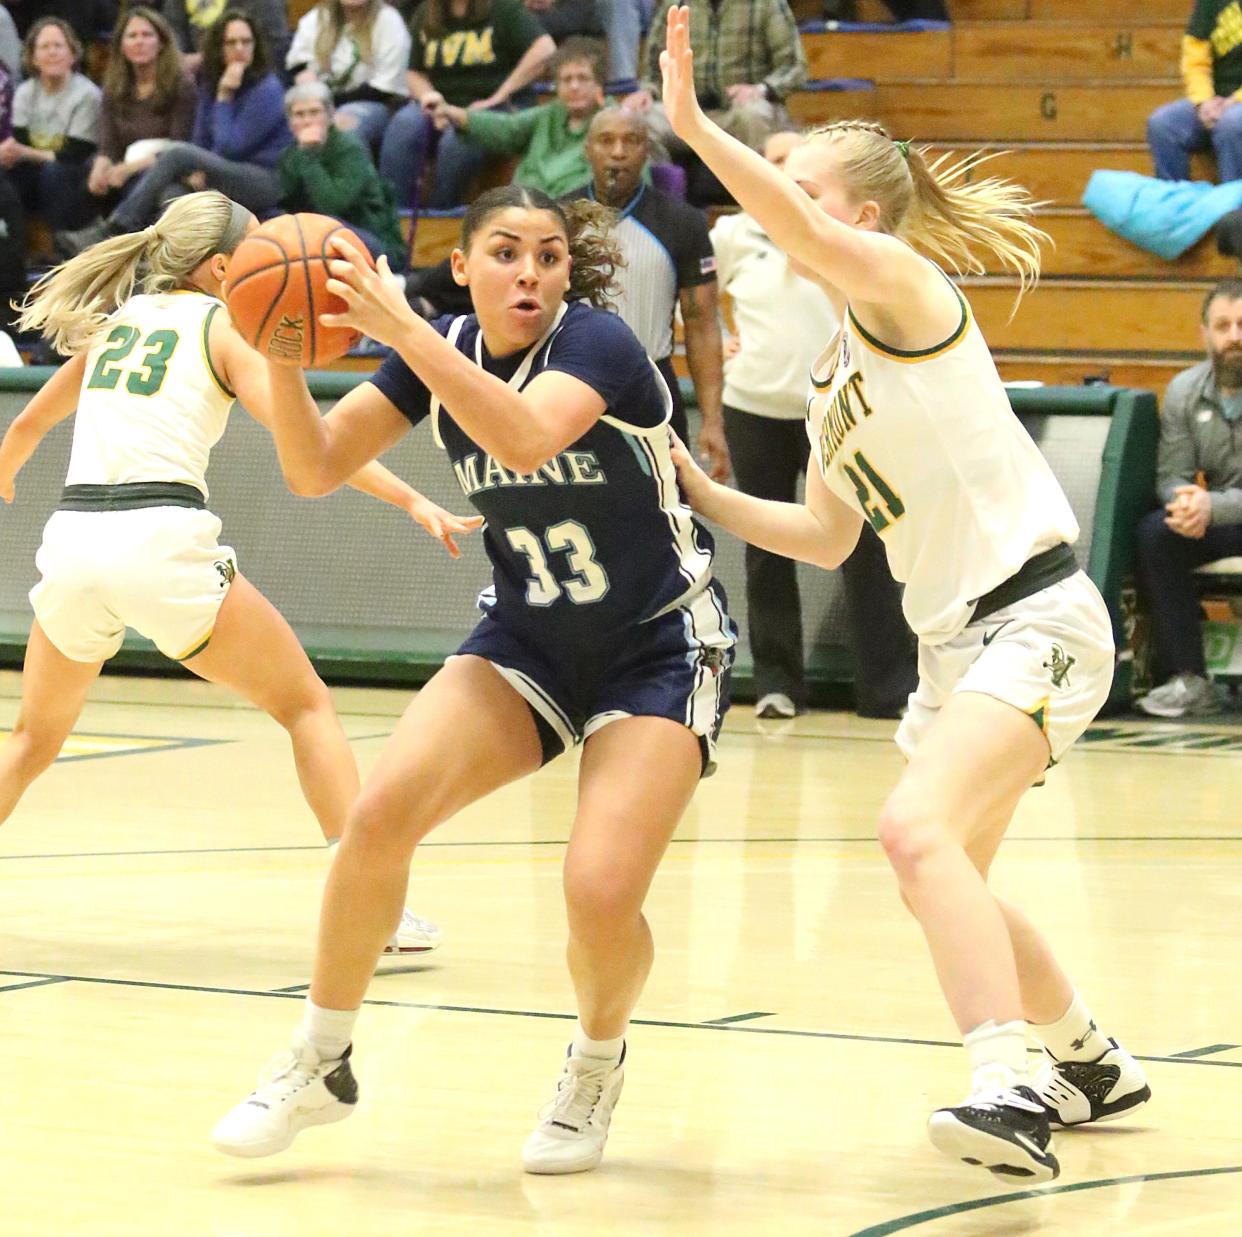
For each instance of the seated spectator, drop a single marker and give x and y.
(359, 50)
(747, 58)
(668, 264)
(1199, 480)
(782, 322)
(1209, 115)
(239, 135)
(619, 22)
(474, 54)
(191, 19)
(550, 137)
(89, 18)
(10, 45)
(55, 126)
(147, 102)
(330, 172)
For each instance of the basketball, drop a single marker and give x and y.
(276, 288)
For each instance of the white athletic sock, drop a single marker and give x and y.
(998, 1057)
(603, 1049)
(1074, 1036)
(328, 1031)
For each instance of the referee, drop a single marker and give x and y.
(668, 261)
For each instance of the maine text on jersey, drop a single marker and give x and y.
(846, 408)
(477, 472)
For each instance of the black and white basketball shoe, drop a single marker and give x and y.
(1082, 1092)
(1006, 1132)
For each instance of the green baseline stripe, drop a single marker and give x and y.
(939, 1213)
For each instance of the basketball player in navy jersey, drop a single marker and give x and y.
(602, 626)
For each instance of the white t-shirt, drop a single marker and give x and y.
(73, 111)
(347, 71)
(781, 318)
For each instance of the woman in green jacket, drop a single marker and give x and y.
(330, 172)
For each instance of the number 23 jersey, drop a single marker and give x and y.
(926, 446)
(598, 539)
(151, 406)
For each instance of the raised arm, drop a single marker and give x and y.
(521, 430)
(54, 402)
(866, 266)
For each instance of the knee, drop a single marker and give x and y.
(1163, 122)
(379, 831)
(34, 748)
(598, 900)
(179, 157)
(309, 700)
(910, 836)
(1154, 535)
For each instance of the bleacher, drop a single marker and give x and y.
(1062, 88)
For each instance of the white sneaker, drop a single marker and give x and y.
(1183, 695)
(573, 1128)
(296, 1090)
(1007, 1132)
(776, 704)
(1080, 1092)
(413, 935)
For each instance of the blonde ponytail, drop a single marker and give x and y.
(71, 304)
(937, 205)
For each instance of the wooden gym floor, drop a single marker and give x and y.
(159, 894)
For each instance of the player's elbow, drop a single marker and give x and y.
(310, 482)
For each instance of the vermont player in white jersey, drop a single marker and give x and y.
(152, 378)
(911, 430)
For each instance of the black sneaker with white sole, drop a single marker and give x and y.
(1007, 1132)
(1084, 1092)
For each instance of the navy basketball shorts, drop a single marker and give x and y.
(675, 666)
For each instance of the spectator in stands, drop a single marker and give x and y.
(1209, 115)
(239, 135)
(1199, 480)
(668, 263)
(782, 322)
(90, 19)
(747, 58)
(147, 102)
(55, 126)
(473, 54)
(359, 50)
(191, 19)
(329, 171)
(550, 137)
(619, 22)
(10, 45)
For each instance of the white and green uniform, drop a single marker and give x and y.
(132, 543)
(925, 445)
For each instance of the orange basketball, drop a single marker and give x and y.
(277, 288)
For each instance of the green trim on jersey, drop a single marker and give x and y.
(920, 354)
(207, 317)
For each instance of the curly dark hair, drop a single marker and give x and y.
(213, 50)
(588, 229)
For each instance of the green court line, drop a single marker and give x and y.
(855, 839)
(933, 1214)
(732, 1027)
(35, 983)
(1208, 1051)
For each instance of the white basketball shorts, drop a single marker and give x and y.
(159, 570)
(1049, 655)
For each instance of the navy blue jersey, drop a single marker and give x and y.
(599, 539)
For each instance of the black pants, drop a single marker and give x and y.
(768, 457)
(1166, 562)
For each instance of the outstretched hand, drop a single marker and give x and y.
(695, 483)
(681, 104)
(374, 297)
(444, 525)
